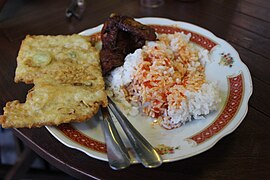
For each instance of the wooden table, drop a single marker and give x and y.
(243, 23)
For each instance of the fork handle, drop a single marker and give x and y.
(147, 155)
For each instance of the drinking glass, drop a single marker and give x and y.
(151, 3)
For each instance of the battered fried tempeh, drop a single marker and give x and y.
(68, 82)
(53, 104)
(65, 59)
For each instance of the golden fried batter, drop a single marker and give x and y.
(68, 82)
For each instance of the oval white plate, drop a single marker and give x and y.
(226, 68)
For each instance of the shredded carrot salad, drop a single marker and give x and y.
(168, 69)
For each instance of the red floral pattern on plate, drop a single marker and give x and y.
(196, 38)
(163, 149)
(226, 60)
(82, 139)
(236, 88)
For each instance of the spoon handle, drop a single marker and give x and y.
(147, 155)
(116, 151)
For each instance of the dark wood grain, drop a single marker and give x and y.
(259, 71)
(245, 24)
(243, 149)
(249, 8)
(261, 3)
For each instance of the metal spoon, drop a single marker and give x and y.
(146, 154)
(116, 151)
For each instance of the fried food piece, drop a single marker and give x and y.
(68, 82)
(65, 59)
(120, 36)
(53, 104)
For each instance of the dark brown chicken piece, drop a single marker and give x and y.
(120, 36)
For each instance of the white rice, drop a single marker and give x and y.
(195, 105)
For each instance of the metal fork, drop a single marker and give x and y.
(145, 152)
(75, 9)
